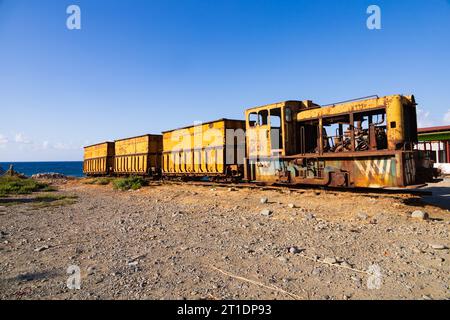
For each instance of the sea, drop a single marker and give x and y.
(68, 168)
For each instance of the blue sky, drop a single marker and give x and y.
(140, 66)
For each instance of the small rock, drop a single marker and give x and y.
(283, 259)
(231, 189)
(362, 216)
(294, 250)
(264, 200)
(177, 213)
(309, 216)
(316, 271)
(90, 271)
(133, 263)
(418, 214)
(417, 250)
(438, 246)
(330, 260)
(291, 205)
(50, 175)
(40, 249)
(266, 213)
(346, 264)
(321, 226)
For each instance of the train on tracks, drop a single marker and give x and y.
(362, 143)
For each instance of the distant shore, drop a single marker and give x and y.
(67, 168)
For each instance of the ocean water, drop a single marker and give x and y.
(72, 168)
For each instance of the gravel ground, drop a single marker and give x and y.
(192, 242)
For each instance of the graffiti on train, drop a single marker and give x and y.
(372, 168)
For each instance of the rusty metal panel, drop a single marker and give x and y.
(378, 171)
(199, 150)
(138, 155)
(98, 159)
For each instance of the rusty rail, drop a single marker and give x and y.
(360, 191)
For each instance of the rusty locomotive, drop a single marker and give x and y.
(367, 142)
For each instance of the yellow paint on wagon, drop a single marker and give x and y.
(199, 149)
(138, 155)
(98, 158)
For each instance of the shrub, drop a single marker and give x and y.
(102, 181)
(16, 185)
(133, 183)
(99, 181)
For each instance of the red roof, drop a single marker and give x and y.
(434, 129)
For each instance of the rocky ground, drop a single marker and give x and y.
(192, 242)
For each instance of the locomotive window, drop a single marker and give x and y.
(263, 117)
(275, 118)
(337, 134)
(308, 133)
(276, 136)
(253, 119)
(370, 130)
(288, 113)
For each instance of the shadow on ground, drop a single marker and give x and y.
(440, 197)
(32, 276)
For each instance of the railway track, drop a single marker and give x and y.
(301, 189)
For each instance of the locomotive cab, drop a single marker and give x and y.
(366, 142)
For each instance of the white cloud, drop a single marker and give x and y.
(423, 119)
(447, 117)
(64, 146)
(3, 140)
(60, 146)
(20, 138)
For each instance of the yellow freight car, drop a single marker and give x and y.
(99, 159)
(213, 149)
(138, 155)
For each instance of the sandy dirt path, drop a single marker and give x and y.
(186, 242)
